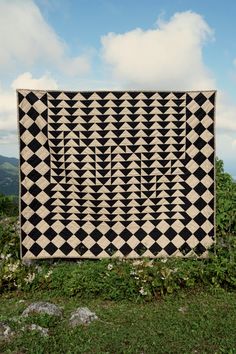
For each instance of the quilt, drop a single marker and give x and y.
(124, 174)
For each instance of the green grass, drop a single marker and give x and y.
(206, 326)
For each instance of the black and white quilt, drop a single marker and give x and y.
(116, 174)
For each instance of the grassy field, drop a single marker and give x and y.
(187, 322)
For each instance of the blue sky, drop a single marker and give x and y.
(111, 44)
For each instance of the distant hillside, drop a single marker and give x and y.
(9, 175)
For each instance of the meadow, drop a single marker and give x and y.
(144, 306)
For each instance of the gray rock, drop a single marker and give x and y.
(41, 308)
(82, 316)
(5, 331)
(35, 327)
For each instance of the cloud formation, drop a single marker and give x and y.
(225, 113)
(169, 56)
(27, 39)
(27, 81)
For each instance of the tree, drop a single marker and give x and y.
(225, 201)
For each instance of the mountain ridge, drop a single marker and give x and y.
(9, 175)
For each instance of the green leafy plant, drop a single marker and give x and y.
(8, 205)
(225, 201)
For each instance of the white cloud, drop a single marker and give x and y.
(225, 112)
(26, 38)
(168, 57)
(26, 81)
(8, 102)
(76, 66)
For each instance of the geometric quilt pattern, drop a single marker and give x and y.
(116, 173)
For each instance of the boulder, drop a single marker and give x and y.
(41, 307)
(82, 316)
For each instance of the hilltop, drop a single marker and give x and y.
(9, 175)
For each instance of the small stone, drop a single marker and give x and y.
(35, 327)
(5, 331)
(82, 316)
(42, 308)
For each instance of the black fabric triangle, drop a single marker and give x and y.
(86, 94)
(71, 103)
(70, 111)
(20, 97)
(70, 95)
(87, 102)
(134, 94)
(178, 102)
(179, 94)
(85, 110)
(163, 109)
(55, 94)
(148, 102)
(55, 102)
(163, 94)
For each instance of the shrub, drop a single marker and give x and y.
(8, 205)
(225, 201)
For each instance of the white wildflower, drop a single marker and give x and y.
(164, 260)
(7, 276)
(137, 262)
(110, 266)
(39, 268)
(132, 272)
(47, 275)
(142, 291)
(30, 277)
(12, 267)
